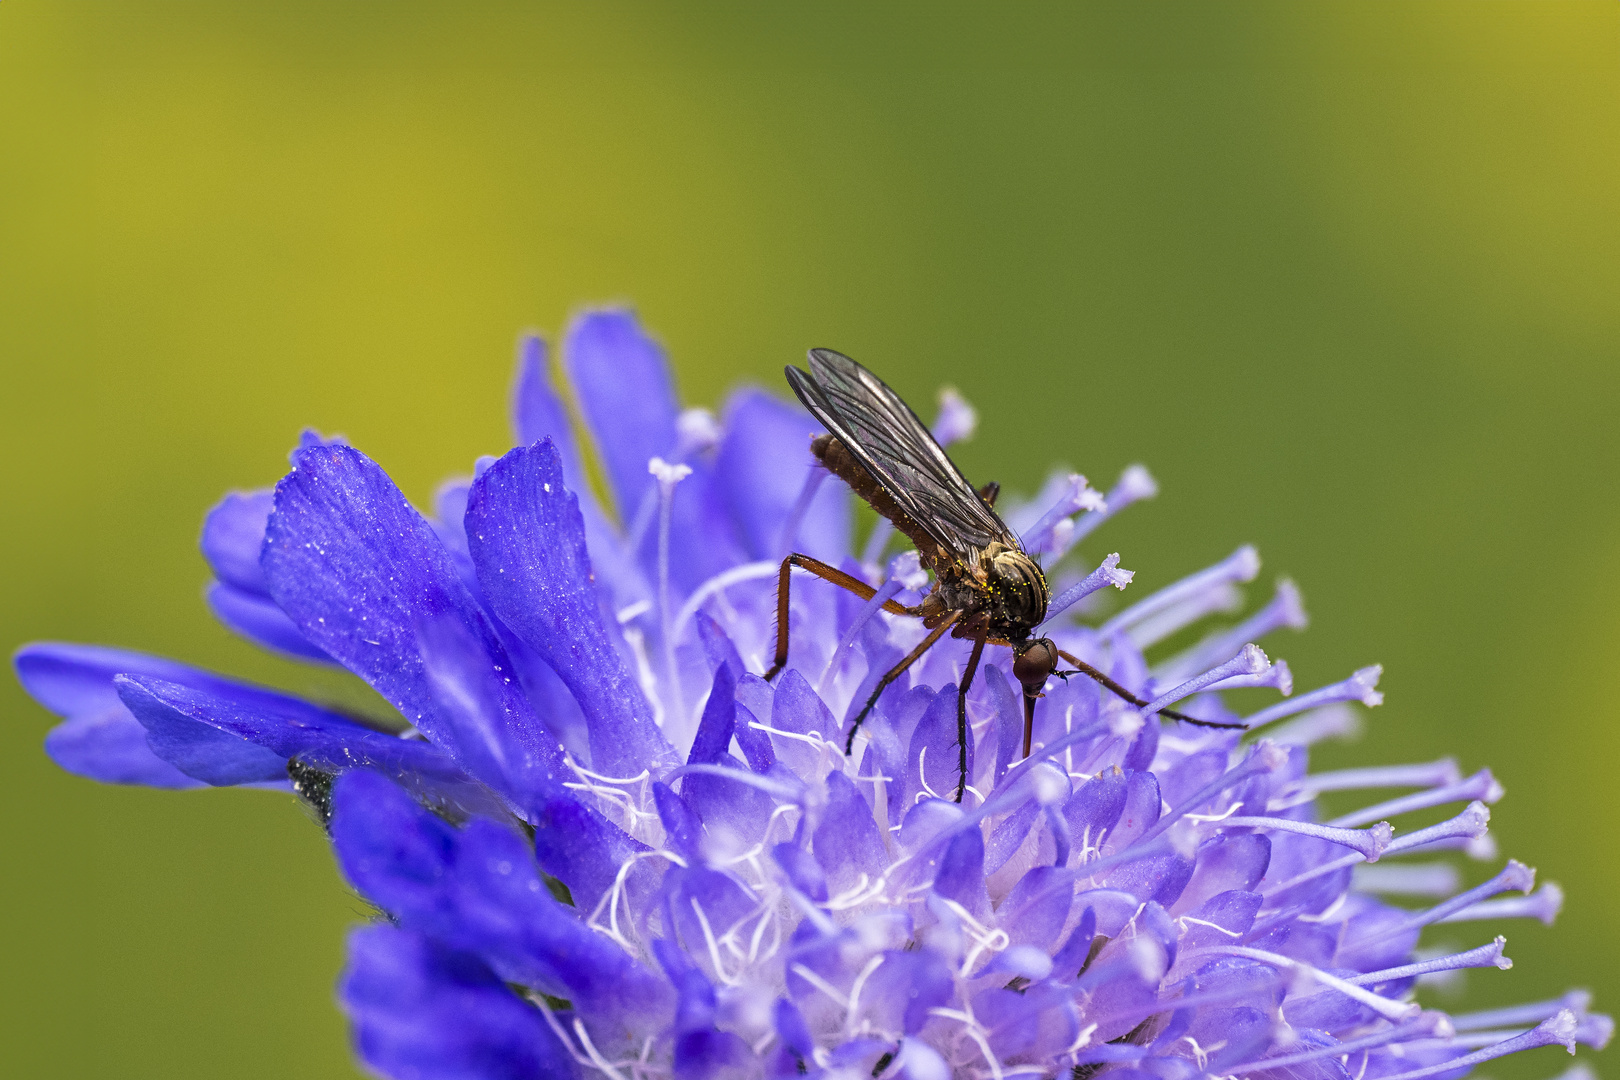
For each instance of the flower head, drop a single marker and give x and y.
(603, 845)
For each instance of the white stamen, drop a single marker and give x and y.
(667, 476)
(1360, 686)
(1336, 721)
(1369, 842)
(1544, 904)
(1250, 660)
(1285, 609)
(1388, 1009)
(789, 539)
(956, 420)
(1482, 785)
(1242, 565)
(1427, 774)
(1515, 875)
(696, 431)
(1134, 485)
(1422, 879)
(1484, 956)
(1106, 574)
(1577, 1001)
(724, 580)
(1076, 495)
(1558, 1028)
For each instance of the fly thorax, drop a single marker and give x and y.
(1018, 589)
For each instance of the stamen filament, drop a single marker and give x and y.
(1106, 574)
(1482, 785)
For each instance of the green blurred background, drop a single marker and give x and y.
(1346, 276)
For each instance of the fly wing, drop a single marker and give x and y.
(884, 434)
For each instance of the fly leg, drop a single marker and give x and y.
(1083, 668)
(961, 715)
(826, 573)
(894, 673)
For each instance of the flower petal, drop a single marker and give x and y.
(625, 391)
(847, 843)
(477, 889)
(363, 575)
(528, 542)
(586, 852)
(232, 536)
(763, 462)
(537, 410)
(257, 618)
(111, 747)
(204, 733)
(101, 739)
(424, 1012)
(197, 749)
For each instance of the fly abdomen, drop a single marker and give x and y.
(842, 464)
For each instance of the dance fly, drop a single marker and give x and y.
(987, 589)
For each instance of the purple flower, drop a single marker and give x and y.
(602, 845)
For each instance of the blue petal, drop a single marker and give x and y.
(528, 542)
(196, 749)
(1143, 749)
(1157, 877)
(717, 647)
(1038, 907)
(711, 1054)
(961, 872)
(233, 534)
(363, 576)
(1192, 773)
(257, 618)
(683, 832)
(101, 740)
(625, 391)
(232, 538)
(584, 850)
(1226, 863)
(754, 743)
(904, 988)
(478, 890)
(1221, 919)
(1141, 812)
(762, 465)
(210, 734)
(792, 1030)
(111, 747)
(719, 720)
(538, 412)
(932, 759)
(1096, 806)
(799, 709)
(1009, 720)
(424, 1012)
(73, 680)
(393, 853)
(551, 699)
(847, 843)
(802, 870)
(734, 813)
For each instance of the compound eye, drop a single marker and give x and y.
(1034, 665)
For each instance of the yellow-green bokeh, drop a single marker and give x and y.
(1346, 276)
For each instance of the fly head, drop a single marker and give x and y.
(1033, 664)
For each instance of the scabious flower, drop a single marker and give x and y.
(600, 844)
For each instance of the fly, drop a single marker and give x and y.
(986, 590)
